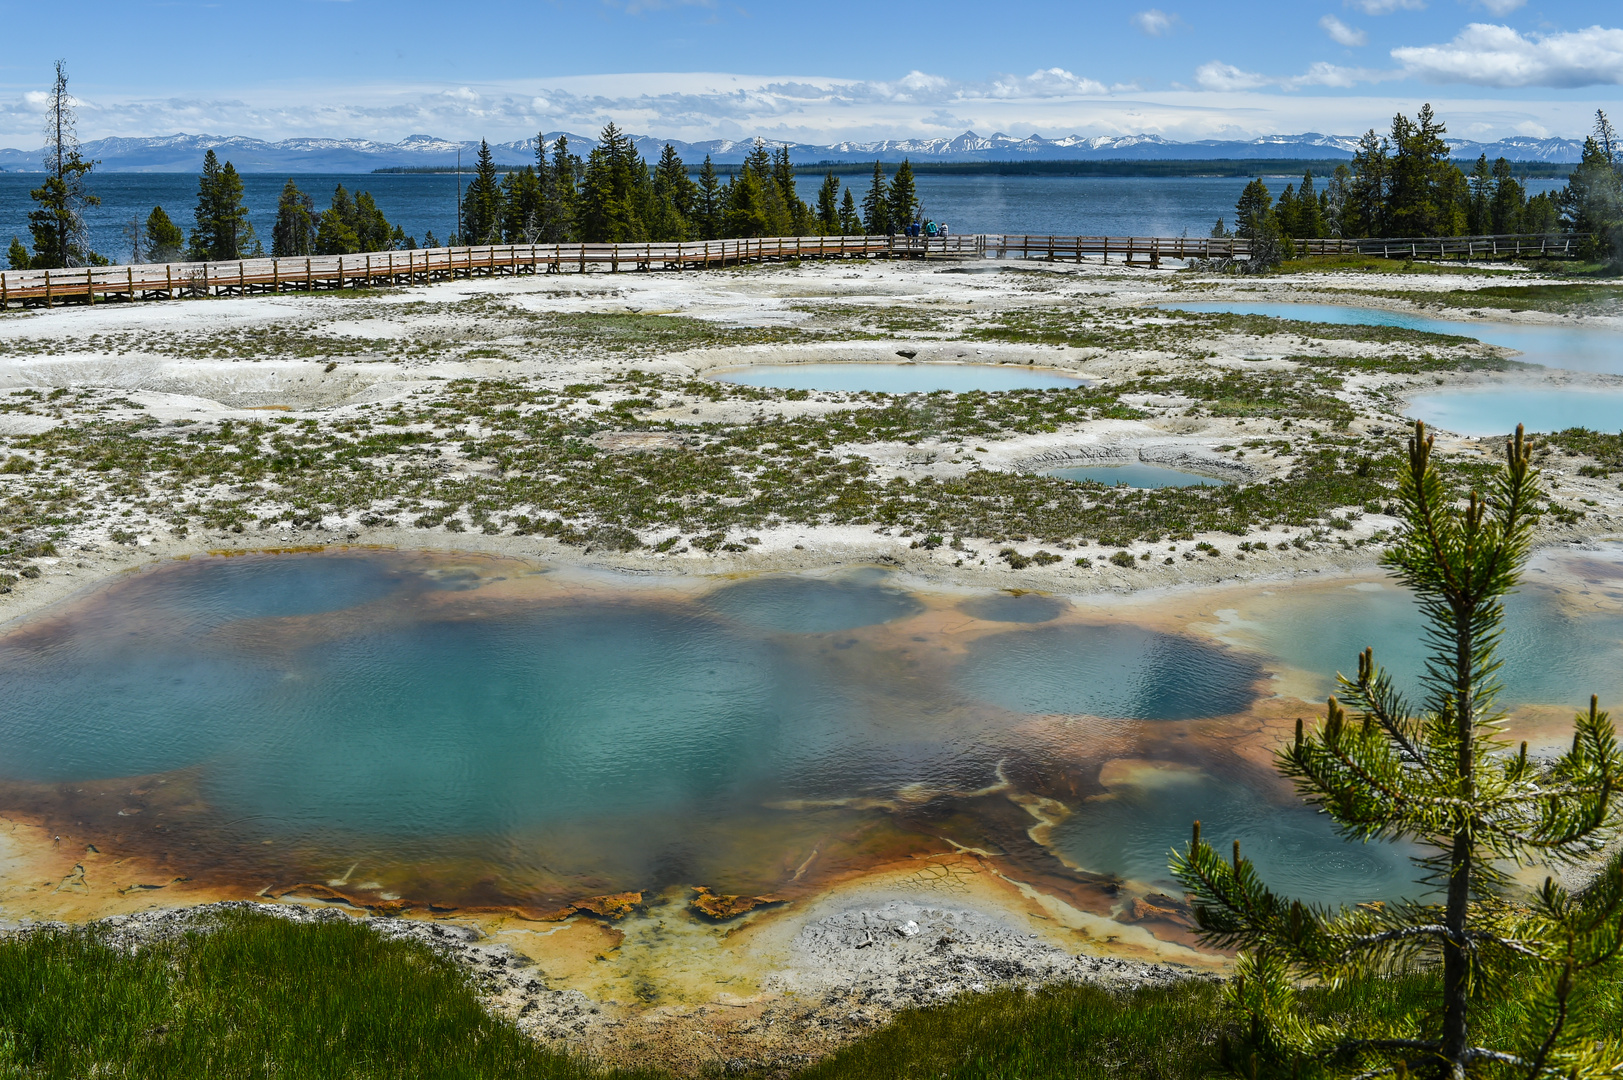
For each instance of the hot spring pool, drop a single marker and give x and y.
(481, 730)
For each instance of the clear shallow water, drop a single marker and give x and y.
(1576, 348)
(800, 605)
(1120, 672)
(1551, 654)
(1131, 830)
(1137, 475)
(1497, 410)
(465, 728)
(898, 378)
(1015, 607)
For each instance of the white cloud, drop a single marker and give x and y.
(1500, 8)
(1484, 54)
(1341, 33)
(1386, 7)
(1156, 22)
(693, 106)
(1216, 75)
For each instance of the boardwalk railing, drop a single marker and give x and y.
(168, 281)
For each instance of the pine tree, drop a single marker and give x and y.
(372, 229)
(295, 231)
(1481, 179)
(828, 205)
(1592, 201)
(675, 196)
(616, 195)
(709, 202)
(18, 256)
(1308, 223)
(336, 234)
(58, 226)
(523, 212)
(165, 241)
(1443, 779)
(223, 232)
(747, 213)
(482, 206)
(1365, 211)
(558, 194)
(904, 199)
(876, 204)
(1419, 199)
(1509, 199)
(1253, 213)
(850, 218)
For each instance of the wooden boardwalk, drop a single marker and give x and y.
(170, 281)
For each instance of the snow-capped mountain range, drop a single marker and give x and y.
(184, 153)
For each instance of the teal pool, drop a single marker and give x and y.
(1497, 410)
(482, 730)
(887, 378)
(1577, 348)
(1136, 475)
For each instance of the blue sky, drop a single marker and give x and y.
(818, 72)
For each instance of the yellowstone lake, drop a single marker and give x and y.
(466, 730)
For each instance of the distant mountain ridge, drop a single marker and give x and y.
(184, 153)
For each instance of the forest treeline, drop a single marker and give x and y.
(613, 195)
(1404, 184)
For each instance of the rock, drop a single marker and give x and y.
(721, 908)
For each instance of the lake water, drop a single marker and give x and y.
(1576, 348)
(856, 377)
(1060, 205)
(467, 729)
(1137, 475)
(1497, 410)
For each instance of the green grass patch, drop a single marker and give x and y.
(254, 996)
(1374, 264)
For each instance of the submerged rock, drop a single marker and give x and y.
(721, 908)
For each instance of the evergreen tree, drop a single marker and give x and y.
(675, 196)
(295, 231)
(336, 235)
(1592, 201)
(18, 255)
(828, 205)
(372, 229)
(747, 212)
(709, 205)
(1420, 201)
(429, 240)
(1219, 232)
(850, 218)
(1444, 780)
(616, 195)
(57, 225)
(1254, 213)
(798, 218)
(1509, 199)
(1364, 213)
(1285, 211)
(222, 232)
(1481, 218)
(904, 199)
(165, 241)
(876, 204)
(523, 209)
(558, 194)
(1334, 202)
(1308, 221)
(482, 206)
